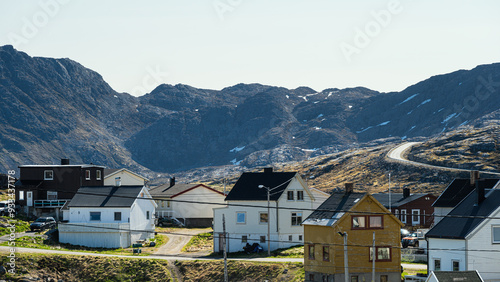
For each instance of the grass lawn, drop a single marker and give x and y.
(200, 242)
(5, 222)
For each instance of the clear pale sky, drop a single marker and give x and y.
(137, 45)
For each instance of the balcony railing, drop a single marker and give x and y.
(50, 203)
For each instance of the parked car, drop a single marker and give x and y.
(410, 240)
(168, 222)
(43, 223)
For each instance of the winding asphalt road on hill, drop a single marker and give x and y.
(397, 154)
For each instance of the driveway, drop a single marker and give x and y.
(178, 239)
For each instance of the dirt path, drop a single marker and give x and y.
(177, 240)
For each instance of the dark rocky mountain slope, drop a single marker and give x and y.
(55, 108)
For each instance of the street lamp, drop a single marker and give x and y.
(346, 265)
(268, 221)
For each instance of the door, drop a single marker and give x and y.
(29, 198)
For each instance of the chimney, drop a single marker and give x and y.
(64, 161)
(172, 182)
(479, 192)
(268, 170)
(474, 175)
(349, 187)
(406, 193)
(118, 181)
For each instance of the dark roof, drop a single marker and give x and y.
(105, 196)
(458, 189)
(451, 276)
(247, 186)
(333, 208)
(466, 216)
(165, 191)
(397, 199)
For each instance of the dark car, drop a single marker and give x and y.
(43, 223)
(168, 222)
(410, 240)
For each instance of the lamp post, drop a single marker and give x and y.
(346, 264)
(268, 221)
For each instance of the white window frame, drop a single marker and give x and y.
(51, 177)
(493, 227)
(413, 221)
(261, 222)
(96, 213)
(434, 265)
(297, 215)
(288, 193)
(21, 195)
(396, 213)
(51, 194)
(300, 192)
(403, 216)
(455, 260)
(87, 174)
(98, 174)
(118, 213)
(244, 217)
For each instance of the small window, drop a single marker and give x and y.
(311, 252)
(300, 195)
(300, 237)
(48, 175)
(118, 216)
(415, 216)
(290, 195)
(244, 239)
(98, 175)
(95, 216)
(437, 264)
(263, 218)
(384, 278)
(311, 277)
(51, 195)
(495, 230)
(296, 218)
(290, 238)
(147, 214)
(396, 214)
(375, 221)
(168, 203)
(87, 174)
(240, 217)
(262, 239)
(383, 253)
(354, 278)
(326, 253)
(21, 195)
(455, 265)
(358, 222)
(403, 216)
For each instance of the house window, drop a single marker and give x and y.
(383, 253)
(98, 174)
(95, 216)
(415, 216)
(403, 216)
(244, 239)
(48, 175)
(263, 218)
(354, 278)
(358, 222)
(396, 214)
(290, 195)
(311, 277)
(240, 218)
(455, 265)
(300, 195)
(168, 203)
(296, 218)
(384, 278)
(437, 264)
(375, 221)
(290, 238)
(311, 251)
(495, 234)
(147, 214)
(262, 239)
(300, 237)
(87, 174)
(118, 216)
(326, 253)
(21, 195)
(51, 195)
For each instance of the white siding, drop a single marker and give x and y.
(125, 177)
(486, 262)
(199, 195)
(446, 250)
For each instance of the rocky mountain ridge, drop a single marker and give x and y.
(56, 108)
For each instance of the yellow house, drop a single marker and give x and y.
(355, 219)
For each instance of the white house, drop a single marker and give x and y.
(124, 176)
(446, 276)
(191, 204)
(108, 217)
(247, 218)
(469, 237)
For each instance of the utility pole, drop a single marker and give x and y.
(374, 253)
(390, 192)
(268, 219)
(226, 279)
(224, 181)
(346, 264)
